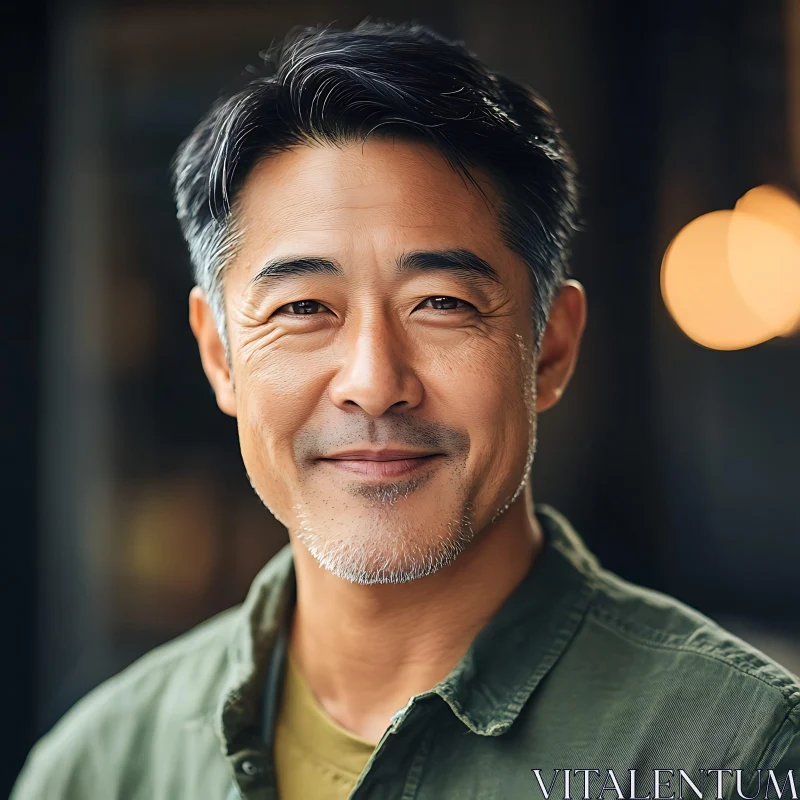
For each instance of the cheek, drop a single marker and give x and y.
(274, 400)
(484, 390)
(500, 428)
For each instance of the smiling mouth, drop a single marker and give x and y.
(382, 470)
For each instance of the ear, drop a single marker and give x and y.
(560, 344)
(212, 351)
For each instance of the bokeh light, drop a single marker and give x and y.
(775, 265)
(731, 278)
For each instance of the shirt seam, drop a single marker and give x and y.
(417, 768)
(768, 746)
(784, 721)
(623, 631)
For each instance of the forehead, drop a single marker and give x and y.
(384, 190)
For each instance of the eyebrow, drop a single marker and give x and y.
(459, 262)
(462, 263)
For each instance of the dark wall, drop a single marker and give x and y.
(24, 71)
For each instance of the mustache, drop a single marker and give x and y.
(387, 433)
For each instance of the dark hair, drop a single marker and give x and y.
(333, 86)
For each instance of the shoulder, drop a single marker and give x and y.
(132, 730)
(653, 669)
(131, 715)
(663, 624)
(654, 628)
(711, 684)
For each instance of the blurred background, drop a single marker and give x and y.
(129, 518)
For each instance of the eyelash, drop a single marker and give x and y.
(432, 297)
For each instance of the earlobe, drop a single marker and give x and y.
(560, 345)
(212, 351)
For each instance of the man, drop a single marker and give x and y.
(379, 231)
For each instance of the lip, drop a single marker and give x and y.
(383, 468)
(387, 454)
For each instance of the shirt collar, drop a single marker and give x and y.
(509, 657)
(267, 606)
(491, 683)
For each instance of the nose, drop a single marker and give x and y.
(376, 372)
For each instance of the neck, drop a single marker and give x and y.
(365, 650)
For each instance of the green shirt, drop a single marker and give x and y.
(579, 670)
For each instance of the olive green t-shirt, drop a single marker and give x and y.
(578, 679)
(315, 757)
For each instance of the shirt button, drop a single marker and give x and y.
(250, 768)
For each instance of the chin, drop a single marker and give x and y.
(387, 558)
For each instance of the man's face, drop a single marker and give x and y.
(424, 358)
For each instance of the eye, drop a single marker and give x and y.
(446, 303)
(301, 308)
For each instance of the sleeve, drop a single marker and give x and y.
(75, 760)
(56, 769)
(780, 761)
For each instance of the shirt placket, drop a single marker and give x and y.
(371, 784)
